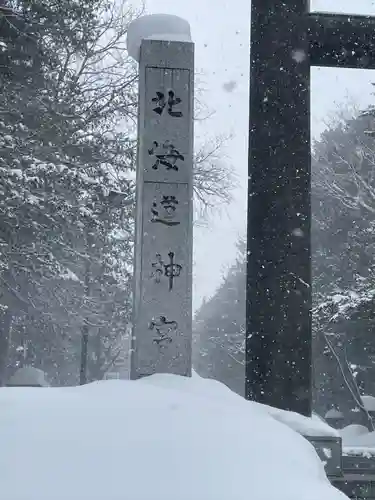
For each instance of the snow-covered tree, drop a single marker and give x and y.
(219, 329)
(343, 204)
(65, 149)
(343, 247)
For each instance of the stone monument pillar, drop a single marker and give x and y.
(162, 315)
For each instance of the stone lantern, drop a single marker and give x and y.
(334, 418)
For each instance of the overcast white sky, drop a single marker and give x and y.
(220, 30)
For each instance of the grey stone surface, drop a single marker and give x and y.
(169, 133)
(162, 322)
(167, 54)
(329, 450)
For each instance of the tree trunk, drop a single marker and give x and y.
(5, 331)
(96, 364)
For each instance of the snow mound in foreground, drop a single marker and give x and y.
(160, 438)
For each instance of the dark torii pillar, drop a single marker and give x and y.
(286, 40)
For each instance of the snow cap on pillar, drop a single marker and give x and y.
(156, 27)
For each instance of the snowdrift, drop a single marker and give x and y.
(160, 438)
(358, 441)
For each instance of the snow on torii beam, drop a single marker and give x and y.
(286, 40)
(162, 314)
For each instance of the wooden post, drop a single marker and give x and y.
(278, 344)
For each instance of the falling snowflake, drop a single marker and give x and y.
(299, 55)
(297, 232)
(230, 86)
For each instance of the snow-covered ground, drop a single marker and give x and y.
(160, 438)
(358, 441)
